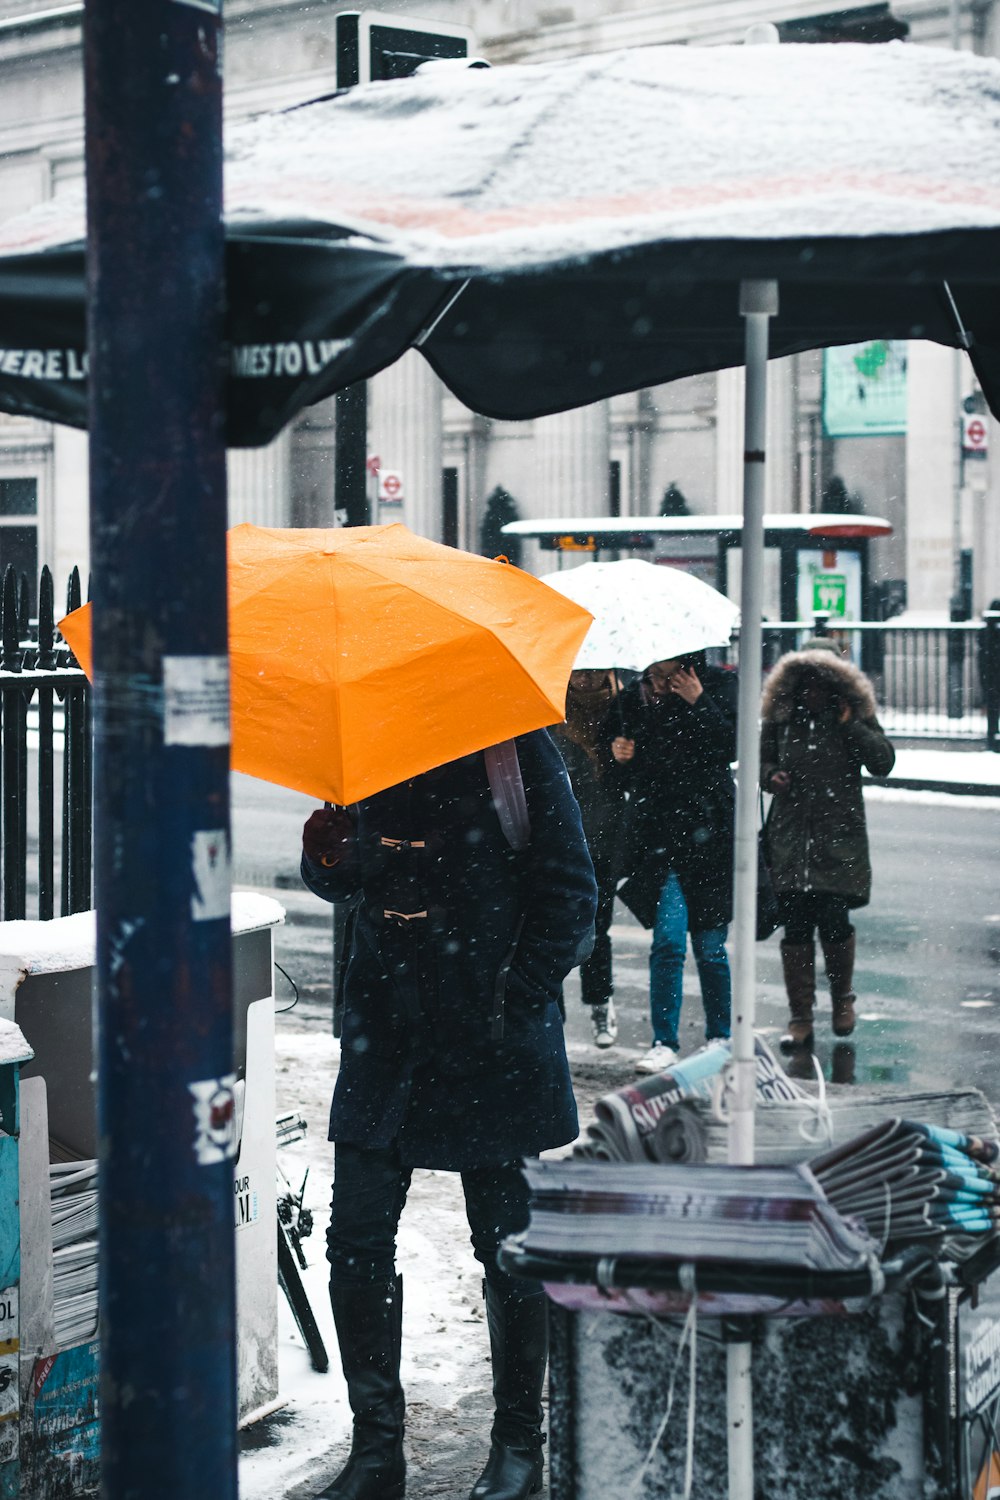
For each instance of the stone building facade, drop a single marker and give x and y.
(616, 456)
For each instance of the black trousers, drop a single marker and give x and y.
(596, 985)
(369, 1190)
(805, 912)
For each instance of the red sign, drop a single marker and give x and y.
(975, 436)
(373, 463)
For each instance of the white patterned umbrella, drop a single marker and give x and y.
(644, 612)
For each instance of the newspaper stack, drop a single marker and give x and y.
(773, 1216)
(792, 1133)
(654, 1119)
(915, 1182)
(73, 1186)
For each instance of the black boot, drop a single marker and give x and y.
(369, 1326)
(519, 1343)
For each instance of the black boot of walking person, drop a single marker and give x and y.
(519, 1343)
(369, 1326)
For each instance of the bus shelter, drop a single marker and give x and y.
(813, 564)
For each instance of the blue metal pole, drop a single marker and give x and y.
(158, 521)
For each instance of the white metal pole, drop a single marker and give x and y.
(758, 304)
(739, 1419)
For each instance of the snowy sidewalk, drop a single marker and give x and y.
(968, 772)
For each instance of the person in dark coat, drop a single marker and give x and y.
(452, 1056)
(675, 742)
(819, 732)
(600, 791)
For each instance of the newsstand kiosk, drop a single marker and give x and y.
(49, 1418)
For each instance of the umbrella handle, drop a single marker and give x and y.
(617, 690)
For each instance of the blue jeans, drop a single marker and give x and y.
(666, 969)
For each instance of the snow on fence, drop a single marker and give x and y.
(934, 681)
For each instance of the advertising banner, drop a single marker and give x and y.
(864, 389)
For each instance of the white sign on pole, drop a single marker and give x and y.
(390, 487)
(975, 435)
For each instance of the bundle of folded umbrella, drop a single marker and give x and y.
(915, 1182)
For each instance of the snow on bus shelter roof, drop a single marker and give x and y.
(846, 526)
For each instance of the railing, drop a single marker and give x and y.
(44, 718)
(933, 681)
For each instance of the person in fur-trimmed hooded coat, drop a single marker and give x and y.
(819, 731)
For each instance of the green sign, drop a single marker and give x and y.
(864, 389)
(830, 593)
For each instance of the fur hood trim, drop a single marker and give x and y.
(843, 677)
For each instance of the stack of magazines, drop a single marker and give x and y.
(769, 1216)
(914, 1182)
(73, 1186)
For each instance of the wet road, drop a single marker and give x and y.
(928, 973)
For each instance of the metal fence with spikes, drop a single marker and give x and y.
(46, 795)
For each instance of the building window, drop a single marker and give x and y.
(862, 23)
(19, 531)
(615, 487)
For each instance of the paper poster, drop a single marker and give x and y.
(196, 700)
(211, 874)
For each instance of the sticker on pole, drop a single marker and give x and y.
(210, 874)
(8, 1386)
(195, 700)
(215, 1137)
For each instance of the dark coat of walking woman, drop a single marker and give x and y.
(819, 732)
(674, 743)
(600, 790)
(452, 1056)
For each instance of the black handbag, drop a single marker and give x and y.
(768, 919)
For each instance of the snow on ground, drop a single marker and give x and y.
(939, 769)
(441, 1296)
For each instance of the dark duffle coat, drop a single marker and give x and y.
(817, 839)
(421, 1063)
(681, 797)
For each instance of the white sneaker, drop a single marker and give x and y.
(605, 1023)
(658, 1059)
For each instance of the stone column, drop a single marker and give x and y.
(260, 484)
(404, 430)
(70, 535)
(730, 389)
(572, 453)
(729, 442)
(930, 477)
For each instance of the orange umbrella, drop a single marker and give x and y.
(364, 655)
